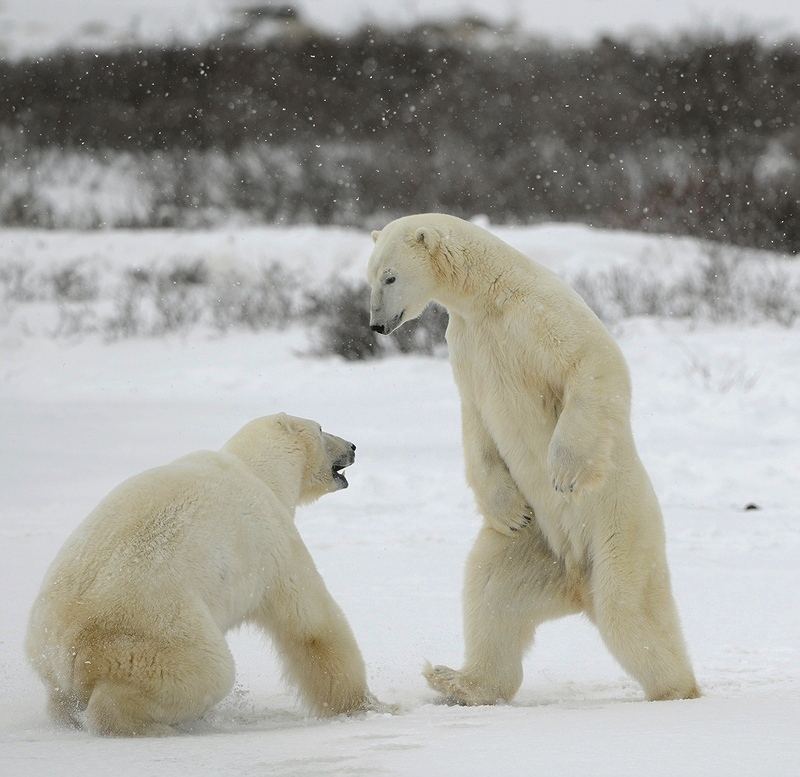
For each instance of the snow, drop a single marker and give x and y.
(716, 412)
(33, 27)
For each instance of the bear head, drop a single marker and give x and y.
(293, 456)
(403, 269)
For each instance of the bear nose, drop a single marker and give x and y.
(352, 447)
(379, 328)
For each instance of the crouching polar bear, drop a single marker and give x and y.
(128, 630)
(571, 522)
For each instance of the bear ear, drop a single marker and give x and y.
(429, 237)
(375, 234)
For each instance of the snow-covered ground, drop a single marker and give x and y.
(38, 26)
(717, 420)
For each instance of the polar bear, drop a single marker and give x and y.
(128, 630)
(571, 523)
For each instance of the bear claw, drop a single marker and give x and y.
(526, 521)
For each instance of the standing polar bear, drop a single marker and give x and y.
(571, 522)
(128, 630)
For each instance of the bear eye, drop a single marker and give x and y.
(390, 279)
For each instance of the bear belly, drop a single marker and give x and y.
(523, 446)
(519, 411)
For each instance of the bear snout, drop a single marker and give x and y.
(348, 457)
(390, 325)
(341, 463)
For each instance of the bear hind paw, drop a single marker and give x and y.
(458, 689)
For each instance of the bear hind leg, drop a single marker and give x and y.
(144, 688)
(512, 585)
(655, 658)
(117, 709)
(640, 626)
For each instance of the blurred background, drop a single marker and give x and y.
(676, 117)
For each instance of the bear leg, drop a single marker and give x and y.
(117, 709)
(328, 670)
(144, 687)
(638, 621)
(512, 585)
(319, 653)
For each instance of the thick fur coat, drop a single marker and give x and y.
(571, 521)
(128, 631)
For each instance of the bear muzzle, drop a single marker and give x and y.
(388, 327)
(343, 461)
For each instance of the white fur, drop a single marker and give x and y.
(571, 522)
(128, 630)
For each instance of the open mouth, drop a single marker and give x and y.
(338, 476)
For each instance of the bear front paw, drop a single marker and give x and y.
(506, 511)
(564, 481)
(509, 524)
(575, 462)
(523, 521)
(568, 469)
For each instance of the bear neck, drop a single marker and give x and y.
(471, 284)
(280, 471)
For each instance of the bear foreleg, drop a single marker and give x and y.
(594, 416)
(314, 641)
(499, 500)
